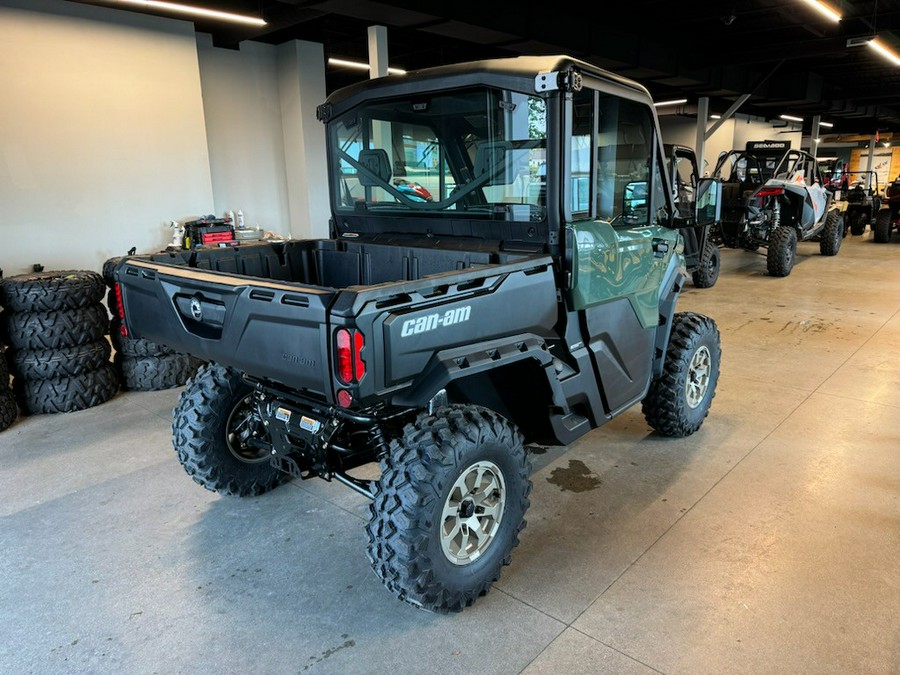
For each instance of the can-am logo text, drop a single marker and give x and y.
(432, 321)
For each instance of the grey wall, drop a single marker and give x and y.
(243, 129)
(113, 123)
(102, 134)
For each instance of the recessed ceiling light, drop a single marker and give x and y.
(791, 118)
(677, 101)
(194, 11)
(823, 9)
(361, 66)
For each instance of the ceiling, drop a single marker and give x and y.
(791, 59)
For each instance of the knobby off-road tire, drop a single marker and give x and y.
(153, 373)
(67, 394)
(9, 410)
(832, 234)
(52, 291)
(707, 274)
(857, 223)
(210, 427)
(135, 347)
(882, 228)
(782, 252)
(4, 369)
(107, 270)
(46, 364)
(55, 330)
(679, 401)
(449, 507)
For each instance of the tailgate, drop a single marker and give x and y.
(270, 329)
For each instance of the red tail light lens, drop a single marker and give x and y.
(350, 366)
(770, 192)
(359, 366)
(120, 308)
(344, 356)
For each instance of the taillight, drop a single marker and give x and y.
(120, 307)
(770, 191)
(350, 366)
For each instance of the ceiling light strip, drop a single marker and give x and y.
(677, 101)
(885, 52)
(823, 9)
(791, 118)
(361, 66)
(827, 125)
(194, 11)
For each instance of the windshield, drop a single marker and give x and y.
(480, 151)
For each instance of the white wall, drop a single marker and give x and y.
(733, 134)
(102, 133)
(244, 132)
(683, 131)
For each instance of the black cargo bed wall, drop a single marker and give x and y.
(334, 263)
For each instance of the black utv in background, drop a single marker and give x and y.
(503, 268)
(863, 200)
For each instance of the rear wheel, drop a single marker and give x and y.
(882, 227)
(857, 222)
(679, 401)
(707, 273)
(832, 234)
(449, 507)
(782, 252)
(220, 440)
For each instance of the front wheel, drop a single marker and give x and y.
(706, 275)
(832, 234)
(882, 227)
(679, 400)
(449, 507)
(219, 438)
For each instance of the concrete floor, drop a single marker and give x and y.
(767, 542)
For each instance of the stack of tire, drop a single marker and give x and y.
(9, 411)
(55, 324)
(142, 364)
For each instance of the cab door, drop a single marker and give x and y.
(619, 246)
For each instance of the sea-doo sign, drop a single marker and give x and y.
(768, 146)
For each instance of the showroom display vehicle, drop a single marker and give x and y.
(863, 201)
(793, 205)
(887, 220)
(701, 253)
(529, 297)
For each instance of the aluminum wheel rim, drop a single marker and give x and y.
(698, 377)
(472, 513)
(240, 426)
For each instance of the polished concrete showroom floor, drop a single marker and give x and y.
(769, 542)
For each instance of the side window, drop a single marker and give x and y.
(624, 150)
(581, 156)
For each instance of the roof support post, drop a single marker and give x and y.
(702, 117)
(378, 51)
(814, 136)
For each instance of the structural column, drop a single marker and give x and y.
(301, 88)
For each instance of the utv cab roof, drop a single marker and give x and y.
(518, 74)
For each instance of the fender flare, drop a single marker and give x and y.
(454, 364)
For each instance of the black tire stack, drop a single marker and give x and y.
(142, 364)
(55, 324)
(9, 410)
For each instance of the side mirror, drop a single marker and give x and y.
(709, 202)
